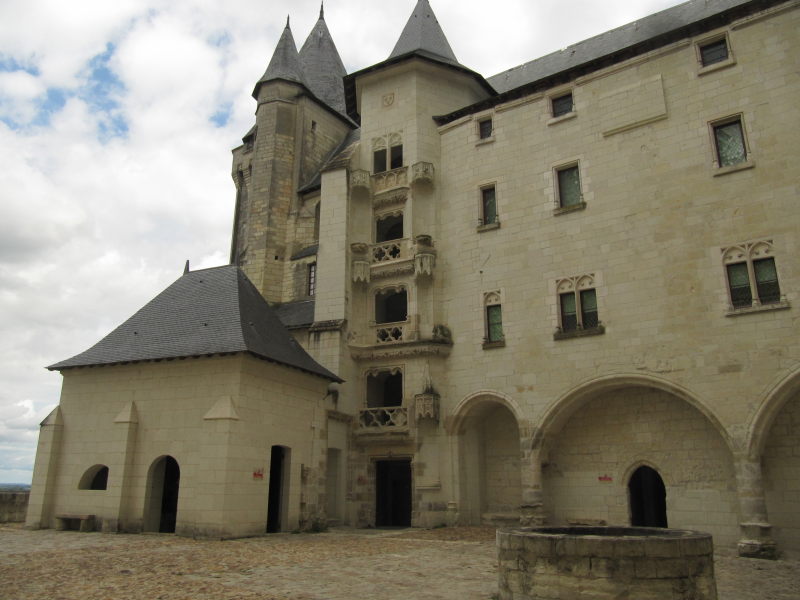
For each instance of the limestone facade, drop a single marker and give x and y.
(565, 300)
(542, 422)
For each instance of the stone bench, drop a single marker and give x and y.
(85, 522)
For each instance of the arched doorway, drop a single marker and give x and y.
(161, 503)
(490, 456)
(647, 497)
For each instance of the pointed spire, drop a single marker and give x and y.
(422, 32)
(323, 66)
(322, 10)
(285, 63)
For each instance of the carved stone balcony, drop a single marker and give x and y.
(390, 180)
(384, 417)
(360, 179)
(422, 172)
(388, 251)
(384, 425)
(391, 333)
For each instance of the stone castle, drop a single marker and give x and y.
(561, 294)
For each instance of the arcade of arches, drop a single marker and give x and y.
(630, 455)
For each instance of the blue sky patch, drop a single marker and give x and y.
(223, 114)
(9, 63)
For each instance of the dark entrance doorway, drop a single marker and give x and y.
(648, 498)
(393, 493)
(276, 494)
(162, 495)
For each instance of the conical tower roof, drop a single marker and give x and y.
(423, 34)
(285, 63)
(322, 65)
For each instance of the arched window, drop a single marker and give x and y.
(95, 478)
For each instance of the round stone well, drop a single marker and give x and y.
(636, 563)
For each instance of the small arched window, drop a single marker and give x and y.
(95, 478)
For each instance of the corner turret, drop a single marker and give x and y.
(323, 66)
(285, 63)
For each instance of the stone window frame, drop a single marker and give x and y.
(480, 119)
(747, 163)
(557, 94)
(386, 144)
(558, 208)
(482, 224)
(384, 214)
(392, 370)
(749, 253)
(489, 300)
(704, 42)
(381, 290)
(577, 284)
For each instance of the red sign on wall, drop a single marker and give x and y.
(605, 478)
(258, 474)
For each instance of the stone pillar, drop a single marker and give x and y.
(40, 503)
(120, 465)
(532, 508)
(756, 532)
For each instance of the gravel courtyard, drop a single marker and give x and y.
(441, 564)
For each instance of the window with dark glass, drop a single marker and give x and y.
(312, 279)
(589, 309)
(562, 105)
(488, 206)
(729, 140)
(379, 161)
(494, 323)
(714, 52)
(766, 289)
(739, 283)
(767, 286)
(569, 312)
(569, 186)
(485, 129)
(578, 310)
(396, 156)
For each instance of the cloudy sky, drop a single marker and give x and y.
(116, 124)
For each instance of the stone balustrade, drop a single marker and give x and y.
(384, 418)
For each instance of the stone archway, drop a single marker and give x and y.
(161, 500)
(774, 443)
(490, 461)
(592, 444)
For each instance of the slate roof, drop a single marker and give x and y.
(285, 63)
(323, 66)
(423, 32)
(295, 315)
(204, 312)
(611, 42)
